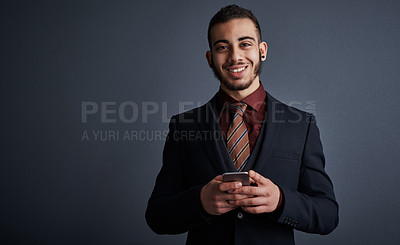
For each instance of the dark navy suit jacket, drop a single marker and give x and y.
(288, 151)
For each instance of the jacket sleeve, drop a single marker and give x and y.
(312, 207)
(173, 207)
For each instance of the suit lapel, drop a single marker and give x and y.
(275, 117)
(214, 145)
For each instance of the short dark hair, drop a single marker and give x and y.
(230, 12)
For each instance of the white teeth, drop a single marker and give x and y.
(237, 70)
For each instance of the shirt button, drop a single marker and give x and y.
(240, 215)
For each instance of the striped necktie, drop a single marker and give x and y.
(237, 140)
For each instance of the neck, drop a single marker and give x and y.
(241, 94)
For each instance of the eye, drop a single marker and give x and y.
(221, 48)
(245, 44)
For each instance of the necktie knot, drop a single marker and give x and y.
(237, 108)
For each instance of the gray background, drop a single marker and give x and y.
(340, 57)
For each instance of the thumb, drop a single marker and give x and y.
(258, 178)
(218, 178)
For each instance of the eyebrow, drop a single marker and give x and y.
(245, 38)
(239, 39)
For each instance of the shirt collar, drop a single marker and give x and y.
(254, 100)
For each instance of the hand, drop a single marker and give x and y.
(215, 196)
(262, 198)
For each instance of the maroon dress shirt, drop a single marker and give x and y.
(253, 116)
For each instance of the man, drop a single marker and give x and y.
(278, 145)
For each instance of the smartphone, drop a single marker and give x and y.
(236, 176)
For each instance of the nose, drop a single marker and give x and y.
(234, 55)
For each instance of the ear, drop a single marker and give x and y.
(209, 58)
(263, 50)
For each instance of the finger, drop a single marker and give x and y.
(225, 204)
(252, 201)
(226, 186)
(234, 197)
(258, 178)
(250, 190)
(225, 197)
(221, 207)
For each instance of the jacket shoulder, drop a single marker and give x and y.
(200, 114)
(291, 113)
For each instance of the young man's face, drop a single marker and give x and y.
(235, 54)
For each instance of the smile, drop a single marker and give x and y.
(237, 70)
